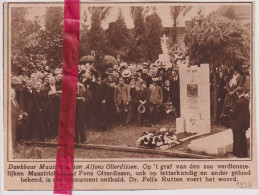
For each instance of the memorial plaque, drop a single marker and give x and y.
(195, 97)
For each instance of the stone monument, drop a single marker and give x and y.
(194, 99)
(164, 58)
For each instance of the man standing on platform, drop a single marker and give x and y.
(240, 122)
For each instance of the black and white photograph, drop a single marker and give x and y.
(154, 81)
(116, 95)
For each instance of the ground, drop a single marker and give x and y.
(114, 136)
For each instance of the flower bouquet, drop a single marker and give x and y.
(169, 108)
(164, 138)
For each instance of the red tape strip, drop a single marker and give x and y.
(65, 150)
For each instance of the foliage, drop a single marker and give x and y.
(218, 41)
(228, 12)
(35, 43)
(214, 36)
(153, 30)
(137, 35)
(34, 46)
(96, 37)
(26, 37)
(84, 36)
(117, 33)
(176, 12)
(52, 38)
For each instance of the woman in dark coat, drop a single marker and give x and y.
(240, 122)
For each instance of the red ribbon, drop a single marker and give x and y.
(65, 150)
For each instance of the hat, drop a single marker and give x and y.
(126, 73)
(142, 82)
(155, 79)
(109, 71)
(123, 64)
(16, 80)
(57, 71)
(139, 67)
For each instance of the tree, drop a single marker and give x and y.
(153, 29)
(218, 41)
(135, 52)
(26, 36)
(117, 33)
(137, 36)
(84, 36)
(228, 11)
(96, 38)
(176, 12)
(52, 38)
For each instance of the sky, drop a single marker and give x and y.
(163, 12)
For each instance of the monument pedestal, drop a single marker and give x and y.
(224, 143)
(194, 99)
(180, 125)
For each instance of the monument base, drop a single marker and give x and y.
(223, 145)
(180, 125)
(190, 125)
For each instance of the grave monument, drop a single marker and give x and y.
(194, 99)
(164, 58)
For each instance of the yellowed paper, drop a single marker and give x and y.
(186, 55)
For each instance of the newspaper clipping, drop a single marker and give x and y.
(165, 95)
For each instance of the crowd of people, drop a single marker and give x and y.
(122, 94)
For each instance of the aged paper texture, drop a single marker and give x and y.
(165, 96)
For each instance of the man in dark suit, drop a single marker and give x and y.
(176, 91)
(89, 89)
(121, 100)
(240, 122)
(80, 114)
(142, 97)
(16, 116)
(155, 102)
(39, 103)
(53, 93)
(167, 91)
(109, 106)
(98, 118)
(29, 108)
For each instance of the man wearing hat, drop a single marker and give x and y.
(142, 96)
(121, 99)
(109, 87)
(126, 73)
(146, 77)
(155, 101)
(240, 122)
(134, 86)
